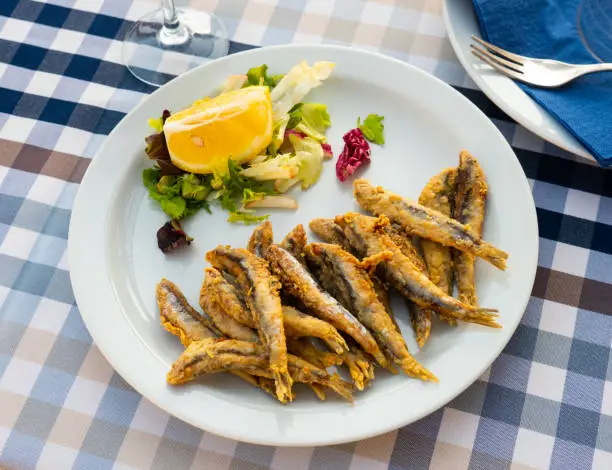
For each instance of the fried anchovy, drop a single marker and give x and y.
(439, 194)
(367, 235)
(261, 288)
(213, 301)
(229, 298)
(210, 356)
(426, 223)
(330, 232)
(419, 316)
(298, 325)
(261, 238)
(298, 282)
(295, 241)
(305, 349)
(469, 210)
(406, 246)
(304, 372)
(177, 316)
(346, 278)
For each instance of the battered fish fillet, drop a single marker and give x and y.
(299, 283)
(330, 232)
(298, 325)
(295, 241)
(426, 223)
(183, 321)
(346, 278)
(469, 210)
(216, 303)
(261, 289)
(367, 236)
(304, 348)
(261, 238)
(439, 194)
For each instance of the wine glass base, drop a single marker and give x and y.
(156, 54)
(595, 28)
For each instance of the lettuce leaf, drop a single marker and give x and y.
(259, 76)
(294, 86)
(178, 196)
(373, 128)
(315, 121)
(246, 217)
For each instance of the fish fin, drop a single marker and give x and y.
(371, 262)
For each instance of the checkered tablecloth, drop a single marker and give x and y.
(545, 402)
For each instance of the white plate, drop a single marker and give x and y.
(461, 23)
(115, 262)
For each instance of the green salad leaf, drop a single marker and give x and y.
(314, 121)
(246, 217)
(373, 128)
(259, 76)
(178, 196)
(237, 190)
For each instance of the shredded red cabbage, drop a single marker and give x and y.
(356, 153)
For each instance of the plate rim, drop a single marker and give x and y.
(565, 141)
(75, 263)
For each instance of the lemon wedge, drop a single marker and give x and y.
(204, 136)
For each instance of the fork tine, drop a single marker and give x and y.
(501, 61)
(498, 50)
(501, 69)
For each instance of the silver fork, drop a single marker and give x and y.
(544, 73)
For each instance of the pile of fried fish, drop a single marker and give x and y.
(281, 313)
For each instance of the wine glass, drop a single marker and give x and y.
(595, 27)
(170, 41)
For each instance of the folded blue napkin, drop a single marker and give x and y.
(548, 29)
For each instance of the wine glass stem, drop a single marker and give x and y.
(170, 17)
(173, 32)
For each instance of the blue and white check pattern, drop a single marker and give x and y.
(545, 403)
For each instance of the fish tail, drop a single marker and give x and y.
(421, 323)
(448, 319)
(283, 383)
(319, 391)
(493, 255)
(478, 315)
(412, 368)
(341, 387)
(484, 318)
(361, 371)
(336, 342)
(330, 359)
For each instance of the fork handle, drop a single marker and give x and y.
(592, 68)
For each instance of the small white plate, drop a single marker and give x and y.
(115, 263)
(461, 23)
